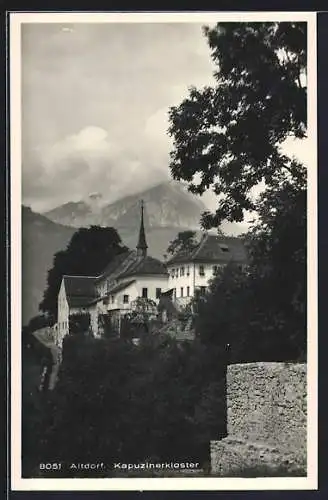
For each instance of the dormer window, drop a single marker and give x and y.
(224, 248)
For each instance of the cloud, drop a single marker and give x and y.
(88, 161)
(90, 142)
(95, 101)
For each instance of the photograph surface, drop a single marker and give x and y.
(163, 200)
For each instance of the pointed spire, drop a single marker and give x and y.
(142, 245)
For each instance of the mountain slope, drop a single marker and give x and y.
(168, 204)
(169, 208)
(41, 239)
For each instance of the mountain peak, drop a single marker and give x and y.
(167, 204)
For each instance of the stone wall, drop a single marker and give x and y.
(266, 419)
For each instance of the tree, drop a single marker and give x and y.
(250, 320)
(35, 323)
(87, 254)
(137, 322)
(228, 137)
(79, 323)
(137, 403)
(185, 241)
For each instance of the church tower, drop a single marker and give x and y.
(142, 245)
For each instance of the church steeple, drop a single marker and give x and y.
(142, 245)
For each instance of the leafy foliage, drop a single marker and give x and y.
(105, 326)
(137, 322)
(228, 137)
(185, 241)
(262, 313)
(117, 402)
(87, 254)
(79, 323)
(28, 340)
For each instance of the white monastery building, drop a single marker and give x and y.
(128, 276)
(193, 270)
(133, 274)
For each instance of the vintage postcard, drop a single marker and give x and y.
(163, 251)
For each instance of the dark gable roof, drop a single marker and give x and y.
(144, 266)
(131, 264)
(214, 248)
(115, 289)
(117, 265)
(80, 290)
(120, 287)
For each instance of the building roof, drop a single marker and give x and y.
(116, 265)
(132, 264)
(80, 290)
(144, 266)
(120, 287)
(115, 289)
(142, 245)
(214, 248)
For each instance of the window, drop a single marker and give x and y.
(177, 273)
(215, 269)
(173, 273)
(188, 291)
(105, 301)
(202, 290)
(181, 271)
(158, 293)
(125, 299)
(188, 271)
(112, 299)
(145, 293)
(201, 271)
(181, 291)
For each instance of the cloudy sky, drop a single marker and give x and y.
(94, 105)
(95, 99)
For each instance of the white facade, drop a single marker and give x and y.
(129, 277)
(64, 311)
(138, 286)
(149, 287)
(63, 314)
(186, 277)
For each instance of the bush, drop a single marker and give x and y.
(117, 402)
(242, 310)
(79, 323)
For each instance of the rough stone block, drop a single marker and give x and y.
(266, 414)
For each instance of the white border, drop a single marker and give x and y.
(141, 484)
